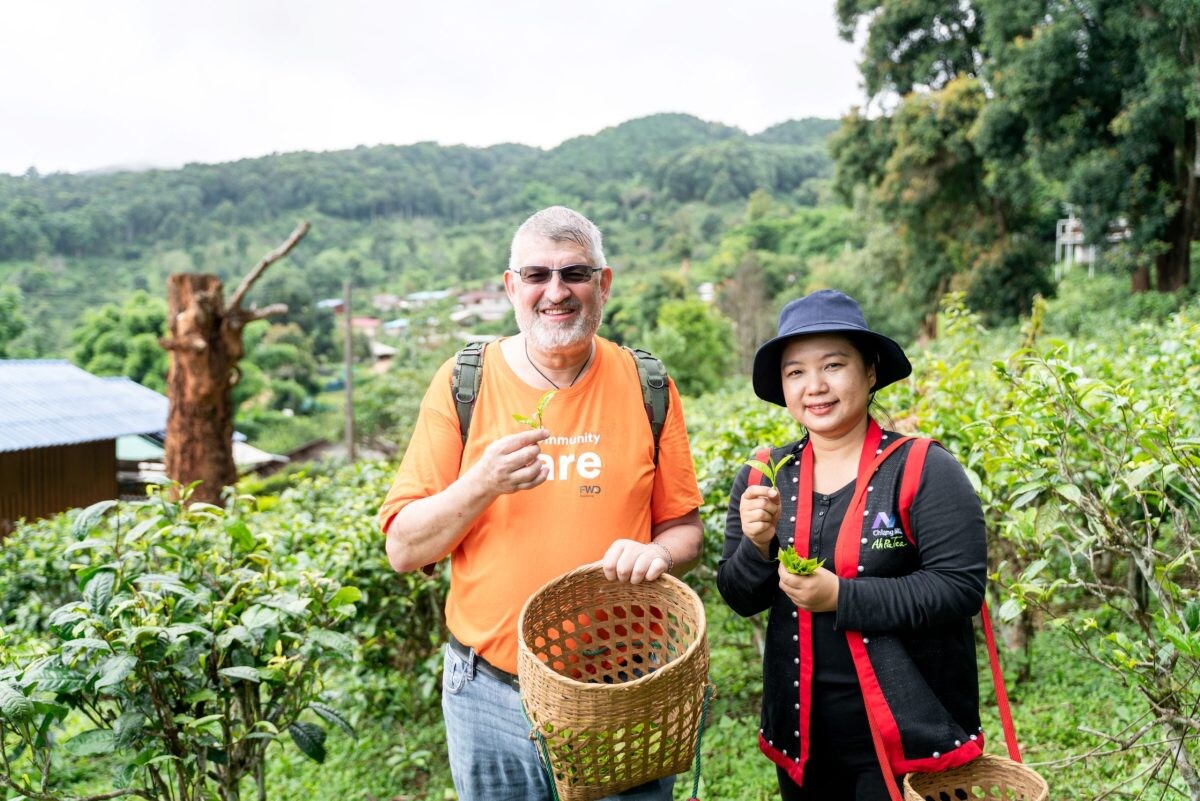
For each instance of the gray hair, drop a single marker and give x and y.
(560, 224)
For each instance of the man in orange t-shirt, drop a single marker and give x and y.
(514, 508)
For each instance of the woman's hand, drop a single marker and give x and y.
(815, 593)
(759, 510)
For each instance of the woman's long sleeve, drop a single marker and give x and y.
(947, 523)
(746, 580)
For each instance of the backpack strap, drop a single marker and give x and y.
(464, 386)
(464, 383)
(910, 479)
(652, 375)
(656, 394)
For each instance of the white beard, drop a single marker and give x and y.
(549, 338)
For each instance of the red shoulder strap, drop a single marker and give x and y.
(763, 455)
(910, 480)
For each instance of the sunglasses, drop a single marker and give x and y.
(572, 274)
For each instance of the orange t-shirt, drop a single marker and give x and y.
(602, 486)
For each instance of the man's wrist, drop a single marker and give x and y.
(667, 555)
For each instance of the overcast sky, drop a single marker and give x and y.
(88, 84)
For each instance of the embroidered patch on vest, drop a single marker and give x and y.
(885, 534)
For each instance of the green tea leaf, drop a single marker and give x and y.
(771, 469)
(115, 669)
(240, 674)
(335, 641)
(798, 565)
(240, 535)
(760, 467)
(58, 679)
(99, 591)
(86, 520)
(346, 595)
(14, 706)
(92, 742)
(309, 738)
(331, 715)
(541, 407)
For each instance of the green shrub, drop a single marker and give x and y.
(185, 649)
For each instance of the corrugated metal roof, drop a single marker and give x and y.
(46, 403)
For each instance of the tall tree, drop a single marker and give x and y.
(1106, 96)
(1101, 97)
(960, 222)
(206, 343)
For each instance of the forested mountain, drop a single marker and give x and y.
(671, 155)
(392, 218)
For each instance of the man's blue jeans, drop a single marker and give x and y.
(491, 755)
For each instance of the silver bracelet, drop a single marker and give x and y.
(667, 553)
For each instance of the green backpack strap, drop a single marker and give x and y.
(464, 383)
(656, 395)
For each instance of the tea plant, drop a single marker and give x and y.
(184, 650)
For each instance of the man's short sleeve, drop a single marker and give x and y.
(434, 455)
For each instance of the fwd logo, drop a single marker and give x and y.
(589, 489)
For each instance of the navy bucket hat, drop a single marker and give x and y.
(826, 311)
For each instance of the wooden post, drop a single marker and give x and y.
(348, 355)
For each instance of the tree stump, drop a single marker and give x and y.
(206, 344)
(205, 349)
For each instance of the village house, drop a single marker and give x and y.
(59, 427)
(69, 439)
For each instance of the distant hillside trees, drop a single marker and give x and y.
(123, 340)
(116, 214)
(393, 219)
(12, 319)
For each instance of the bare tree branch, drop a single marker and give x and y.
(261, 314)
(275, 255)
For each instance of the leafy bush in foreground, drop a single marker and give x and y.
(187, 653)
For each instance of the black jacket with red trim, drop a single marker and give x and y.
(906, 616)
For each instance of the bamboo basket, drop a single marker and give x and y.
(613, 678)
(992, 778)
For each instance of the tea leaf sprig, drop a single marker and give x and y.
(798, 565)
(771, 469)
(535, 422)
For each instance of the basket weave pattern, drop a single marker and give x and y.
(988, 777)
(613, 677)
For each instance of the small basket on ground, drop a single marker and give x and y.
(992, 778)
(613, 678)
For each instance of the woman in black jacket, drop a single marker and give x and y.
(882, 631)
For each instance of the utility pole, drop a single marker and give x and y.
(348, 354)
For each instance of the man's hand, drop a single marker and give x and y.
(633, 561)
(511, 464)
(759, 510)
(815, 593)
